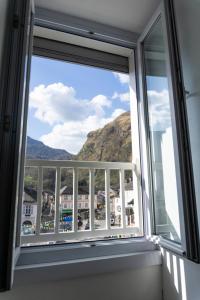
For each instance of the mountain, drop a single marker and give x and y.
(110, 143)
(37, 150)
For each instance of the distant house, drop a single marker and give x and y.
(29, 210)
(83, 201)
(116, 203)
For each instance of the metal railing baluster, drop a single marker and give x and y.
(57, 199)
(75, 199)
(91, 197)
(39, 200)
(122, 196)
(107, 197)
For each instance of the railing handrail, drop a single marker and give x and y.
(75, 165)
(80, 164)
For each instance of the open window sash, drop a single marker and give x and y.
(14, 97)
(168, 188)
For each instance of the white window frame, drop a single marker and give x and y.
(146, 221)
(189, 246)
(142, 243)
(117, 65)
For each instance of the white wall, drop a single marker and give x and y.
(181, 278)
(139, 284)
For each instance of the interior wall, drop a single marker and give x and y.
(181, 277)
(139, 284)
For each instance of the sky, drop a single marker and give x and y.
(68, 100)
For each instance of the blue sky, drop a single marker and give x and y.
(158, 84)
(69, 100)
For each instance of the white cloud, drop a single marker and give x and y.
(72, 135)
(71, 118)
(123, 78)
(159, 110)
(98, 103)
(101, 100)
(123, 97)
(57, 103)
(117, 112)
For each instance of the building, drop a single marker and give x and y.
(29, 211)
(66, 198)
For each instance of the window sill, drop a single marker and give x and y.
(172, 246)
(71, 261)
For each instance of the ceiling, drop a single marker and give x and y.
(131, 15)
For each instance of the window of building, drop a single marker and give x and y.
(28, 210)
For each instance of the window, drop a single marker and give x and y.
(28, 210)
(161, 136)
(110, 213)
(168, 181)
(80, 123)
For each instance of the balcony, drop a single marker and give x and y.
(80, 211)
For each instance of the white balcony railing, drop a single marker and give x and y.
(128, 223)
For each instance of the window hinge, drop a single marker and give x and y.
(16, 21)
(6, 123)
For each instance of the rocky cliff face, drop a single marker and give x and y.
(110, 143)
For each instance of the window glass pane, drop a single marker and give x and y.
(161, 136)
(79, 138)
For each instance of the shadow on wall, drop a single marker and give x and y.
(174, 285)
(181, 277)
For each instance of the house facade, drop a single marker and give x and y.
(29, 211)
